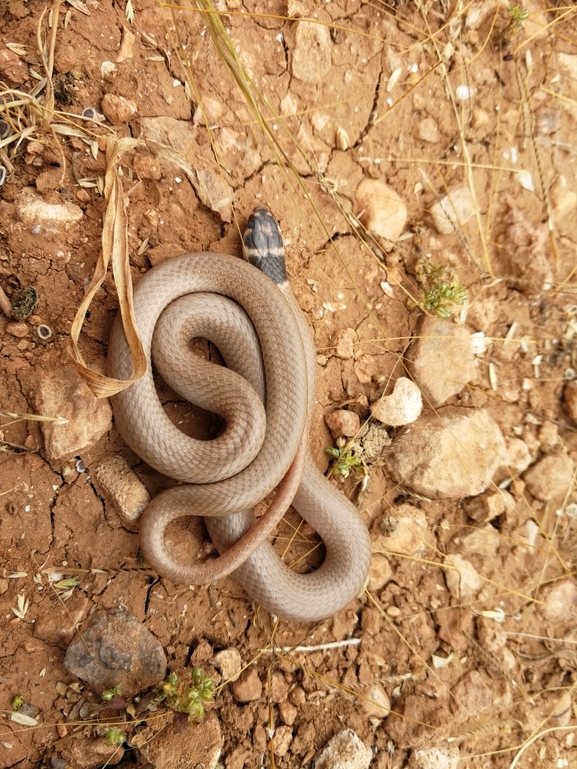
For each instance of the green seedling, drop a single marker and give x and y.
(115, 736)
(186, 698)
(518, 16)
(347, 460)
(443, 294)
(17, 702)
(110, 694)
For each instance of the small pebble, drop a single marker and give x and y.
(13, 69)
(229, 663)
(429, 131)
(117, 109)
(248, 687)
(343, 422)
(365, 368)
(380, 209)
(470, 696)
(18, 330)
(281, 740)
(380, 572)
(489, 505)
(402, 530)
(120, 484)
(343, 342)
(463, 580)
(376, 702)
(345, 751)
(559, 602)
(480, 117)
(550, 478)
(453, 210)
(127, 46)
(312, 52)
(402, 407)
(437, 757)
(287, 712)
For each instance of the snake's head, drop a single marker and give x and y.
(263, 246)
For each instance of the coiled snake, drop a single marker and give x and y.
(261, 333)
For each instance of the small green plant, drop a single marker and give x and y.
(115, 736)
(17, 702)
(442, 294)
(109, 694)
(347, 460)
(186, 698)
(518, 16)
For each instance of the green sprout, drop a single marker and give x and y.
(115, 736)
(110, 694)
(347, 460)
(518, 16)
(443, 293)
(183, 698)
(17, 702)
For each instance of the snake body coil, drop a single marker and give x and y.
(186, 297)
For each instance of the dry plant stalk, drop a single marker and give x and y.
(115, 250)
(5, 305)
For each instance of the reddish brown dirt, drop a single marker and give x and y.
(52, 515)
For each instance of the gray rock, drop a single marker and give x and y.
(344, 751)
(441, 359)
(451, 453)
(61, 392)
(116, 649)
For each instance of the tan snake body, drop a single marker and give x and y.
(226, 477)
